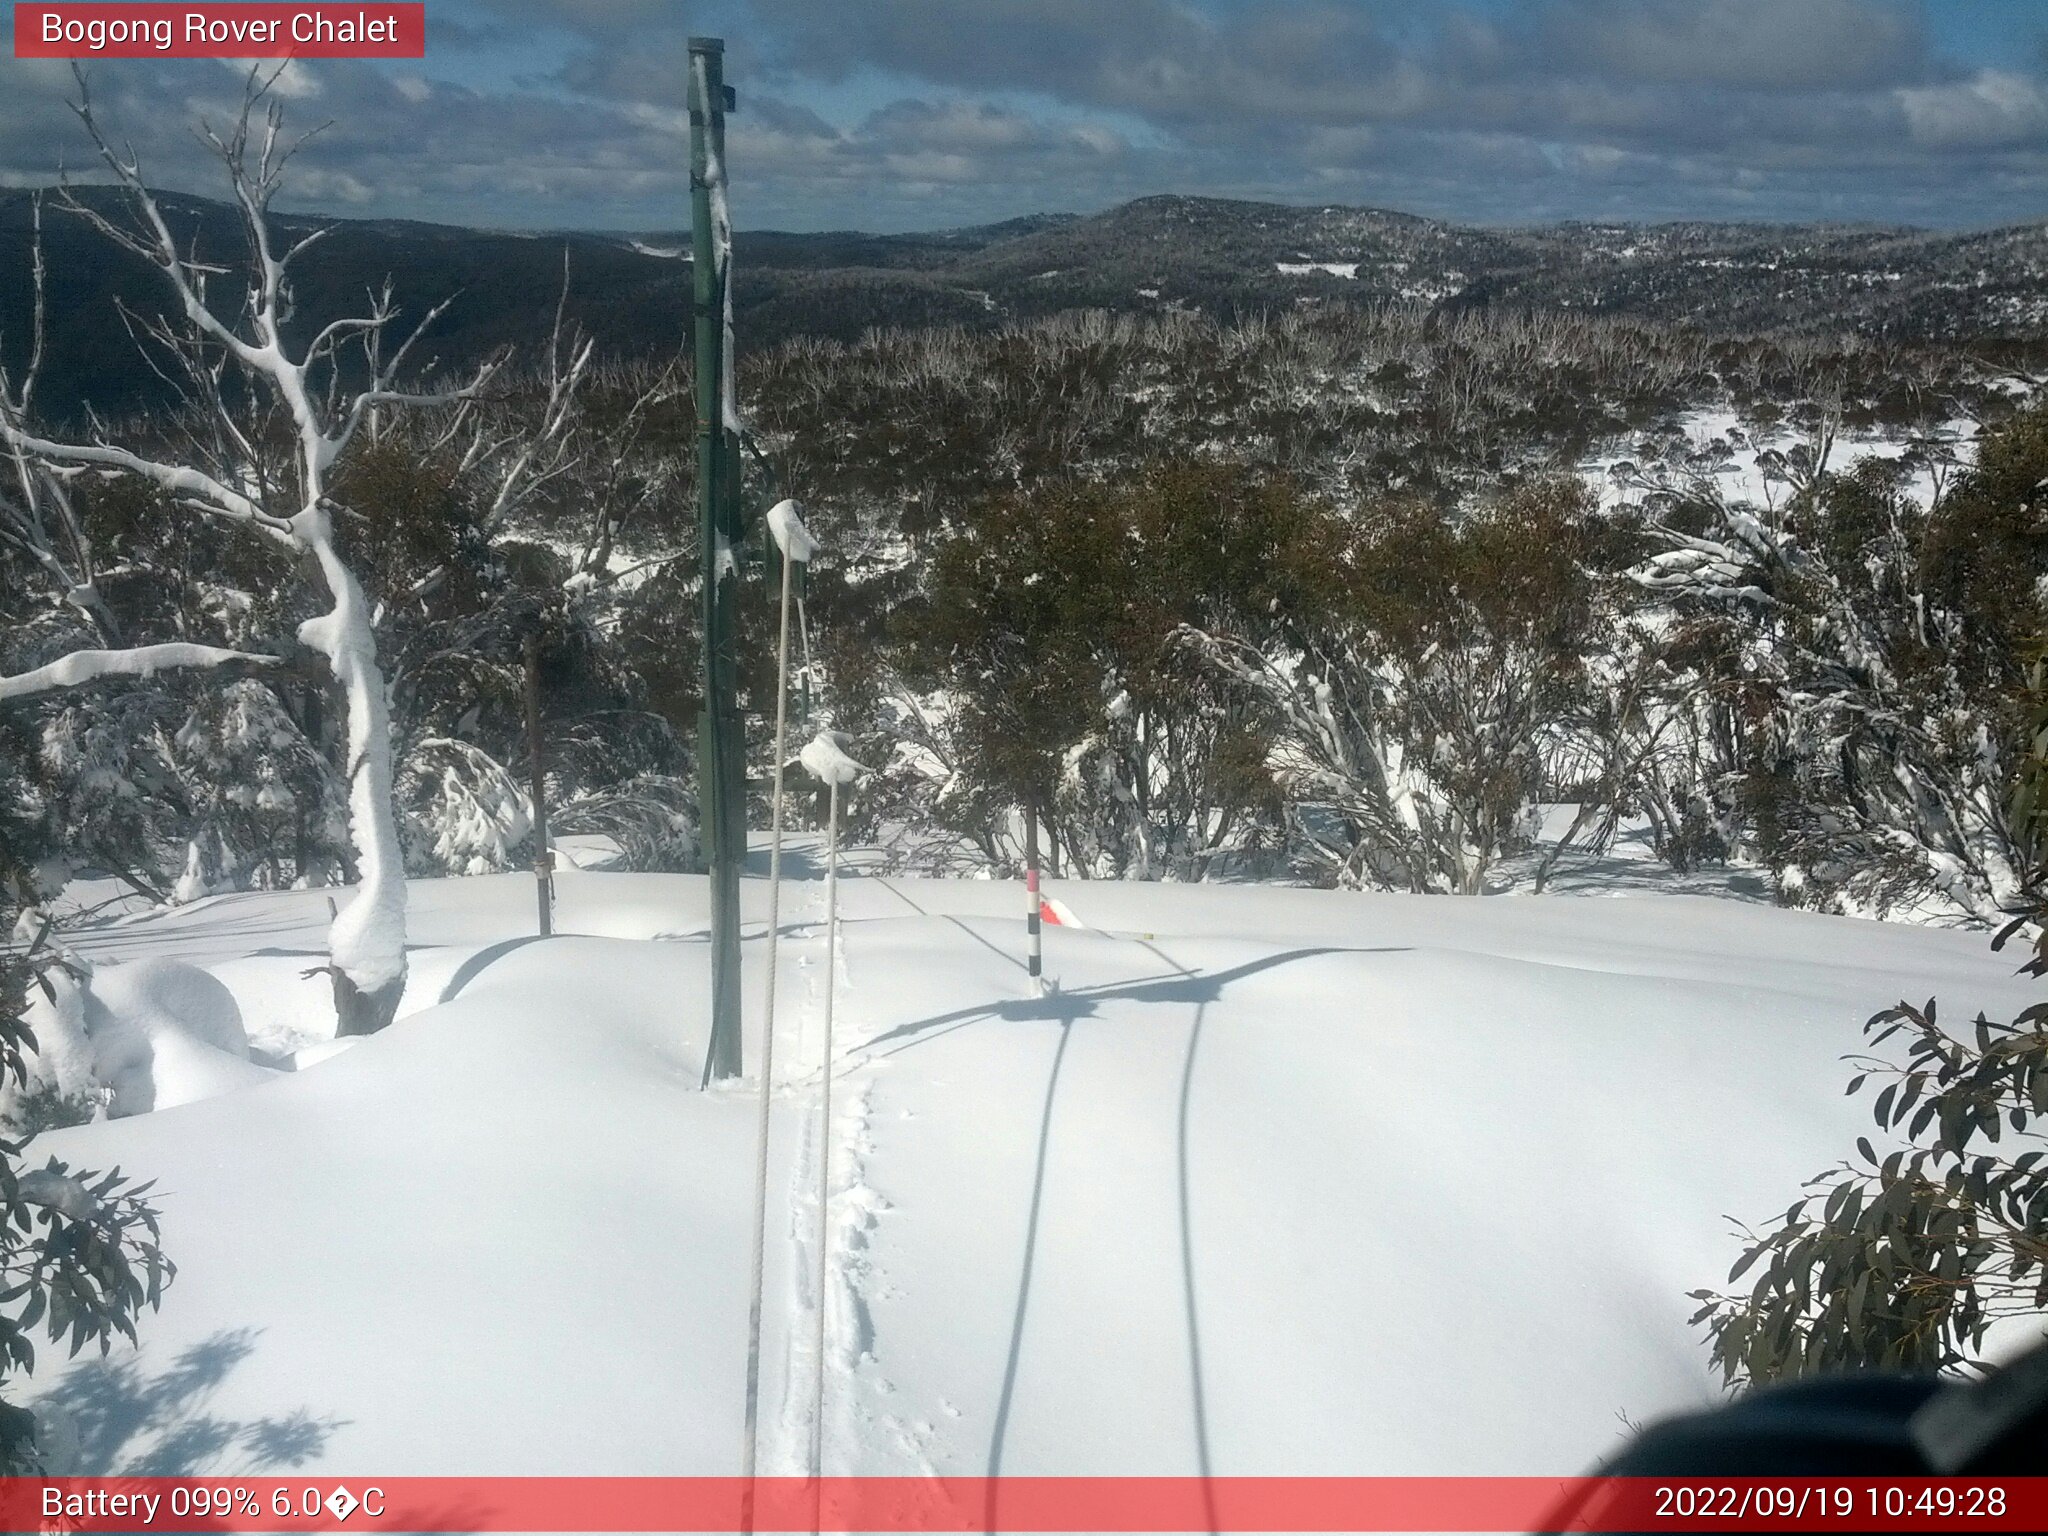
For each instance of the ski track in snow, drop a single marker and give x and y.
(860, 1429)
(787, 1455)
(784, 1455)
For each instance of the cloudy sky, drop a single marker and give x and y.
(915, 114)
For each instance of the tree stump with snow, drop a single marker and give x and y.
(358, 1012)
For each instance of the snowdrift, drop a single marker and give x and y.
(164, 1033)
(143, 1036)
(1276, 1181)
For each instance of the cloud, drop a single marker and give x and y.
(934, 112)
(389, 143)
(1776, 45)
(1993, 109)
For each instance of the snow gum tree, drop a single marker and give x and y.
(1408, 701)
(533, 515)
(1907, 1255)
(1046, 636)
(1190, 671)
(329, 392)
(1880, 642)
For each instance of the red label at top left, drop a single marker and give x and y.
(215, 31)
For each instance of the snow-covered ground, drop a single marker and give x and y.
(1277, 1181)
(1714, 446)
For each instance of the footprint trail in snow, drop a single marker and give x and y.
(861, 1434)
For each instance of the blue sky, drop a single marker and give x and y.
(903, 114)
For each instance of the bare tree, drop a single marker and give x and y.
(325, 415)
(36, 513)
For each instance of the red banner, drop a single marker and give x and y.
(1053, 1504)
(215, 31)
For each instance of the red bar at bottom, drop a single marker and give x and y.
(1051, 1504)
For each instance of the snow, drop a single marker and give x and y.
(148, 1035)
(1347, 269)
(62, 1059)
(1717, 445)
(824, 758)
(1274, 1181)
(59, 1192)
(160, 992)
(163, 1033)
(786, 522)
(313, 1055)
(140, 661)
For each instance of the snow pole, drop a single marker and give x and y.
(825, 757)
(721, 768)
(1034, 907)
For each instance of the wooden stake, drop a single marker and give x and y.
(543, 853)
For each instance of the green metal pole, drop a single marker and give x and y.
(720, 747)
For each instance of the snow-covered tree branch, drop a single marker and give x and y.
(81, 667)
(1877, 767)
(368, 939)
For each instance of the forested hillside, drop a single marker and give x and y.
(1342, 596)
(1159, 255)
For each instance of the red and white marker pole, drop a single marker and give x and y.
(1032, 904)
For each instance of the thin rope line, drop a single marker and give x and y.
(755, 1281)
(825, 1143)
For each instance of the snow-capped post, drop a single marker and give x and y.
(720, 742)
(785, 522)
(543, 852)
(825, 758)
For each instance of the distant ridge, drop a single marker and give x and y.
(1155, 254)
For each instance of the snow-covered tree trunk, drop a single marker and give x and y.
(366, 946)
(368, 963)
